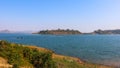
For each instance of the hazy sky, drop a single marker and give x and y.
(83, 15)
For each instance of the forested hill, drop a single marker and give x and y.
(59, 32)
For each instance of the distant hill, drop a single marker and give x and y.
(117, 31)
(4, 31)
(8, 31)
(59, 32)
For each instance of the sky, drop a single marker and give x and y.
(82, 15)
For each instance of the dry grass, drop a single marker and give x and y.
(39, 48)
(4, 64)
(70, 59)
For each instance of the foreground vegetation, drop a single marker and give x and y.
(20, 56)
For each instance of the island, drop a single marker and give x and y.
(59, 32)
(14, 55)
(99, 31)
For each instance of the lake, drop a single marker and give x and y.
(101, 49)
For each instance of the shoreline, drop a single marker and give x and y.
(60, 60)
(69, 58)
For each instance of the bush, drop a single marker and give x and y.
(15, 66)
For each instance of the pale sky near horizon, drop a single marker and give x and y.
(82, 15)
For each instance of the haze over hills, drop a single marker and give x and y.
(5, 31)
(64, 31)
(68, 31)
(9, 31)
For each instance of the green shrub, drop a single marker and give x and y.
(15, 66)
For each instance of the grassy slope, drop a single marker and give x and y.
(60, 60)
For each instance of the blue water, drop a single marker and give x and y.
(101, 49)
